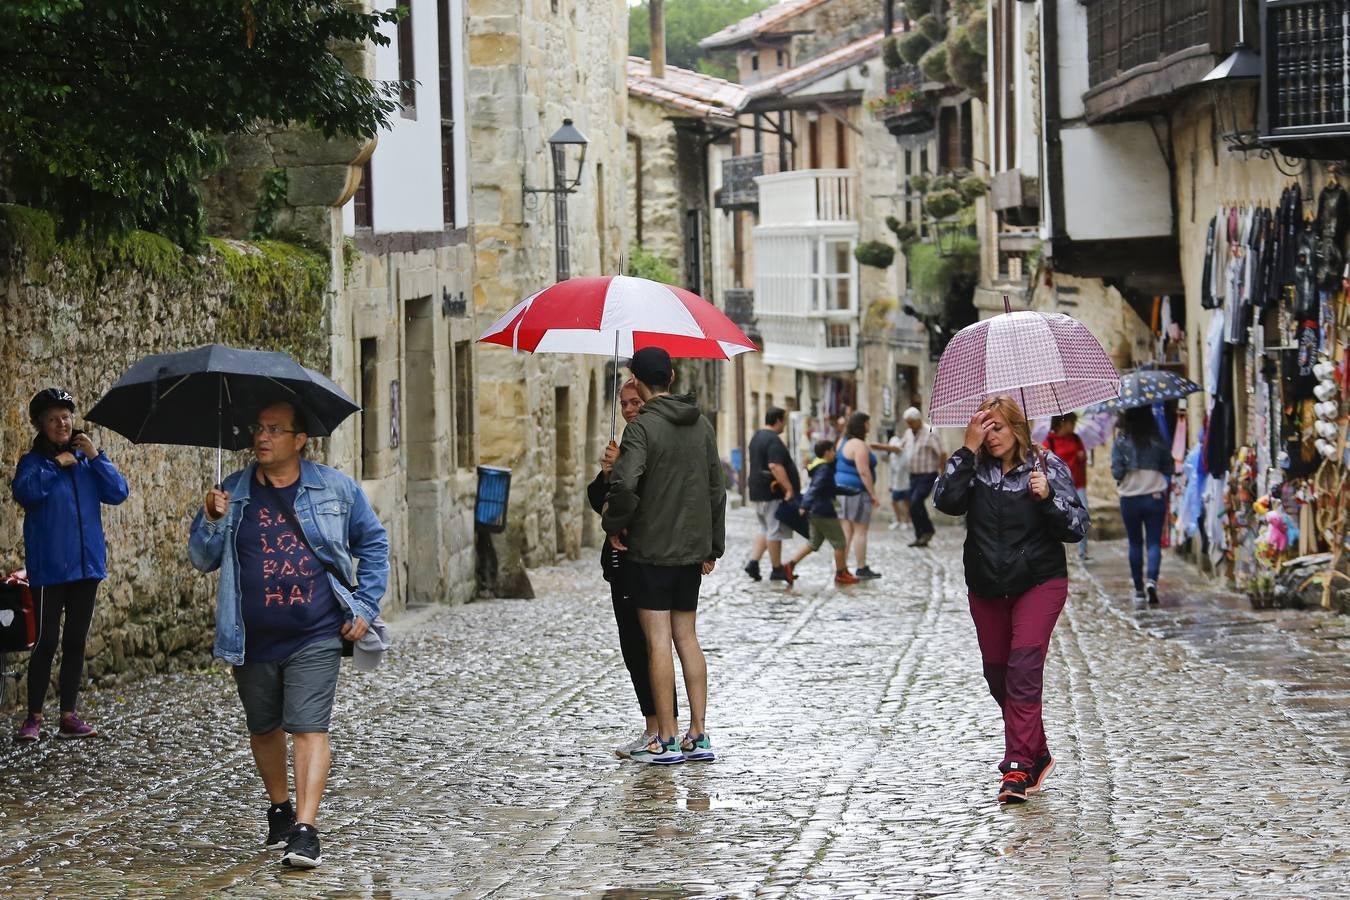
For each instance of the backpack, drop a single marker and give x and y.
(18, 623)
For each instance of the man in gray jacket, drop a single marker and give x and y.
(666, 506)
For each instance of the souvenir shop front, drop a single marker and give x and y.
(1263, 486)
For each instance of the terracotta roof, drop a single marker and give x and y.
(820, 67)
(753, 25)
(689, 92)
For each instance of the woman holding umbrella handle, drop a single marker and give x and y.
(61, 484)
(1020, 508)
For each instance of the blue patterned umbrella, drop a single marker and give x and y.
(1145, 387)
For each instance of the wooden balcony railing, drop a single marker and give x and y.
(1307, 67)
(1123, 34)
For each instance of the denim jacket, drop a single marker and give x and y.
(338, 522)
(1126, 456)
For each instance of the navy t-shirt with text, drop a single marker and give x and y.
(288, 602)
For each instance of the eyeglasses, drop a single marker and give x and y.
(270, 430)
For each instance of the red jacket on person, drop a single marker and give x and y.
(1069, 448)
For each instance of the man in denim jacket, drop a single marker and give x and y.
(285, 600)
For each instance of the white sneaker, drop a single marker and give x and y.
(892, 526)
(625, 751)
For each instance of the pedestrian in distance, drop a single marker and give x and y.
(1065, 443)
(926, 456)
(818, 504)
(613, 566)
(773, 480)
(62, 483)
(1142, 465)
(287, 535)
(1020, 509)
(666, 507)
(899, 470)
(854, 478)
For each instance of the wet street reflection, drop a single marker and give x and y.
(1202, 751)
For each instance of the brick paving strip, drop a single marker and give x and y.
(857, 758)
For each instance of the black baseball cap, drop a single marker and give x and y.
(652, 366)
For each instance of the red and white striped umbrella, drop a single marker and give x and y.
(1049, 362)
(616, 315)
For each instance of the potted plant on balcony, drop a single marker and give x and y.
(877, 254)
(905, 109)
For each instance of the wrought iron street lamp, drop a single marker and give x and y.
(566, 136)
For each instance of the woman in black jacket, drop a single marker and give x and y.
(632, 642)
(1021, 508)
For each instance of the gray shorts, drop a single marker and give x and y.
(856, 508)
(295, 694)
(774, 530)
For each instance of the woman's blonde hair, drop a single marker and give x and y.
(1012, 413)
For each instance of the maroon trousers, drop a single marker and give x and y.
(1014, 634)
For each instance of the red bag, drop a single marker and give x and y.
(21, 632)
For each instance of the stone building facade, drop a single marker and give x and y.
(530, 65)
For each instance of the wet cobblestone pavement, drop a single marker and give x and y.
(1202, 752)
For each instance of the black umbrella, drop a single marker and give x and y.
(205, 397)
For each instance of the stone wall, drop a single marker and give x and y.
(78, 316)
(407, 306)
(543, 416)
(661, 227)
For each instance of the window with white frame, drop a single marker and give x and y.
(832, 275)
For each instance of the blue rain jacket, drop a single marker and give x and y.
(63, 518)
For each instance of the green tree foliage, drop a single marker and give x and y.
(109, 109)
(642, 263)
(687, 23)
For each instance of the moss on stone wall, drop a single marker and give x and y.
(77, 314)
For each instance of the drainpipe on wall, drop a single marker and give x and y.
(656, 21)
(1054, 150)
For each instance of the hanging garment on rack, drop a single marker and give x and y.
(1291, 213)
(1218, 257)
(1214, 351)
(1333, 213)
(1207, 300)
(1305, 275)
(1221, 438)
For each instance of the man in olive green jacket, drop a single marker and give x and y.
(666, 506)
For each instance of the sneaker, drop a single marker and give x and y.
(866, 572)
(752, 569)
(280, 821)
(1013, 787)
(846, 577)
(1151, 591)
(72, 726)
(1138, 597)
(659, 752)
(30, 730)
(697, 749)
(302, 848)
(625, 751)
(1040, 770)
(778, 574)
(892, 526)
(790, 574)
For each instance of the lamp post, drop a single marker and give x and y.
(566, 136)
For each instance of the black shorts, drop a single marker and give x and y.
(664, 588)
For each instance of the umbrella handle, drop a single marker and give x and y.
(614, 407)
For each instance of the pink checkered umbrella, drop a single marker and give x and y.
(1049, 362)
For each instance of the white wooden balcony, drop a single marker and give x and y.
(806, 296)
(808, 197)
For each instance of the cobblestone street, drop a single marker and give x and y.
(1202, 751)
